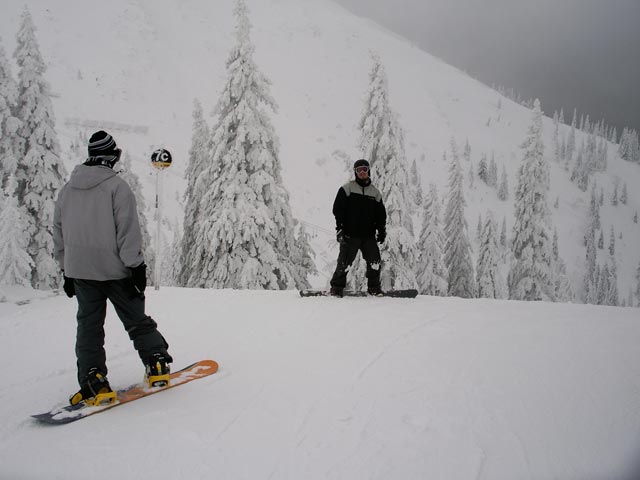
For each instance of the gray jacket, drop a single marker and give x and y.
(96, 233)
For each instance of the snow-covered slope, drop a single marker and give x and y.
(135, 66)
(353, 388)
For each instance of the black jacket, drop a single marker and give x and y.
(359, 210)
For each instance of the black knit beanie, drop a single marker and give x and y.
(101, 143)
(102, 149)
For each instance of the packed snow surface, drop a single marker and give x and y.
(352, 388)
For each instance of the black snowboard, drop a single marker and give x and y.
(411, 293)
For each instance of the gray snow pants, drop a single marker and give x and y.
(92, 298)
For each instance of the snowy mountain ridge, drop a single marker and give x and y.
(140, 64)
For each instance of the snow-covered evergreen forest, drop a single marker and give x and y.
(265, 106)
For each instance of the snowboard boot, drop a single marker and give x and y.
(375, 291)
(336, 292)
(157, 370)
(94, 390)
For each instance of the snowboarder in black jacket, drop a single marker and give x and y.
(360, 222)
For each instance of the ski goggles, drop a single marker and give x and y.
(362, 169)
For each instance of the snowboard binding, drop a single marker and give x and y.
(95, 390)
(157, 373)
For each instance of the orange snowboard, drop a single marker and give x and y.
(68, 414)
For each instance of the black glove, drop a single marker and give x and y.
(68, 286)
(139, 277)
(382, 234)
(341, 237)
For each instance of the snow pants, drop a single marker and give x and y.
(348, 251)
(92, 299)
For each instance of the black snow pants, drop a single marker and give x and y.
(92, 298)
(348, 252)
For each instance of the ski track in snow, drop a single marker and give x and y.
(251, 403)
(394, 342)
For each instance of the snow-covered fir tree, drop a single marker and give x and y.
(132, 179)
(416, 184)
(483, 169)
(590, 279)
(487, 272)
(166, 262)
(601, 241)
(479, 227)
(9, 124)
(243, 236)
(503, 234)
(382, 144)
(173, 264)
(199, 150)
(624, 194)
(614, 195)
(303, 257)
(77, 152)
(562, 287)
(563, 153)
(530, 275)
(623, 146)
(15, 262)
(503, 188)
(629, 147)
(556, 137)
(40, 171)
(466, 153)
(607, 284)
(431, 272)
(457, 249)
(593, 219)
(472, 174)
(592, 162)
(198, 155)
(492, 173)
(571, 140)
(612, 297)
(602, 284)
(580, 172)
(612, 242)
(603, 150)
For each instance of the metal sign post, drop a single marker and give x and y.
(161, 160)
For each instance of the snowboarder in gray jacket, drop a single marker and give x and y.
(98, 245)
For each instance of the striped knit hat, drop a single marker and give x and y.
(102, 144)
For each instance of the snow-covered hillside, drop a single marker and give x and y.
(136, 67)
(353, 388)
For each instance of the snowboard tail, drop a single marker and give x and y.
(409, 293)
(71, 413)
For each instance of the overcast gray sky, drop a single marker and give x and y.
(569, 53)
